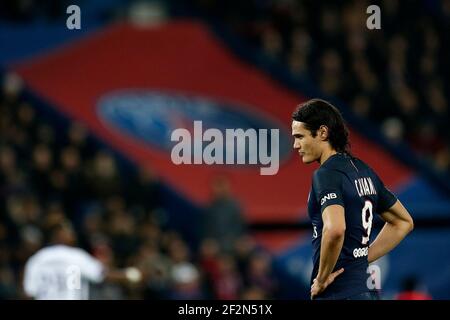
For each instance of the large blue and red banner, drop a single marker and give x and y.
(133, 86)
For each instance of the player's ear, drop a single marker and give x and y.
(323, 132)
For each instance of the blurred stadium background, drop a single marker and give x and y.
(86, 116)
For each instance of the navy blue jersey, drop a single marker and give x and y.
(349, 182)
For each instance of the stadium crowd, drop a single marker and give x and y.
(397, 77)
(50, 174)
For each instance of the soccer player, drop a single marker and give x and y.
(345, 194)
(61, 271)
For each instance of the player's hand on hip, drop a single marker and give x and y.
(318, 287)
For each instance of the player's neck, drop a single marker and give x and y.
(326, 154)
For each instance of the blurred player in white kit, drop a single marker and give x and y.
(61, 271)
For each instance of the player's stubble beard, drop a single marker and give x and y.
(309, 153)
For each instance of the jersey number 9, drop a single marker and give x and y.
(367, 218)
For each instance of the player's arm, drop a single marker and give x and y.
(96, 271)
(130, 274)
(333, 234)
(328, 188)
(398, 224)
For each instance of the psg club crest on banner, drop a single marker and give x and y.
(152, 116)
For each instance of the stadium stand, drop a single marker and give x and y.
(128, 210)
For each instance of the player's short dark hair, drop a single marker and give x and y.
(317, 112)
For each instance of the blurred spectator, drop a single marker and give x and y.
(155, 267)
(361, 106)
(144, 190)
(186, 282)
(42, 164)
(393, 129)
(272, 43)
(209, 262)
(259, 273)
(102, 176)
(8, 289)
(45, 134)
(77, 136)
(11, 89)
(244, 248)
(253, 293)
(442, 159)
(227, 281)
(123, 235)
(223, 219)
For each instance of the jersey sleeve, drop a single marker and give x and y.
(91, 268)
(327, 185)
(386, 198)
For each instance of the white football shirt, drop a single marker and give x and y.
(61, 272)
